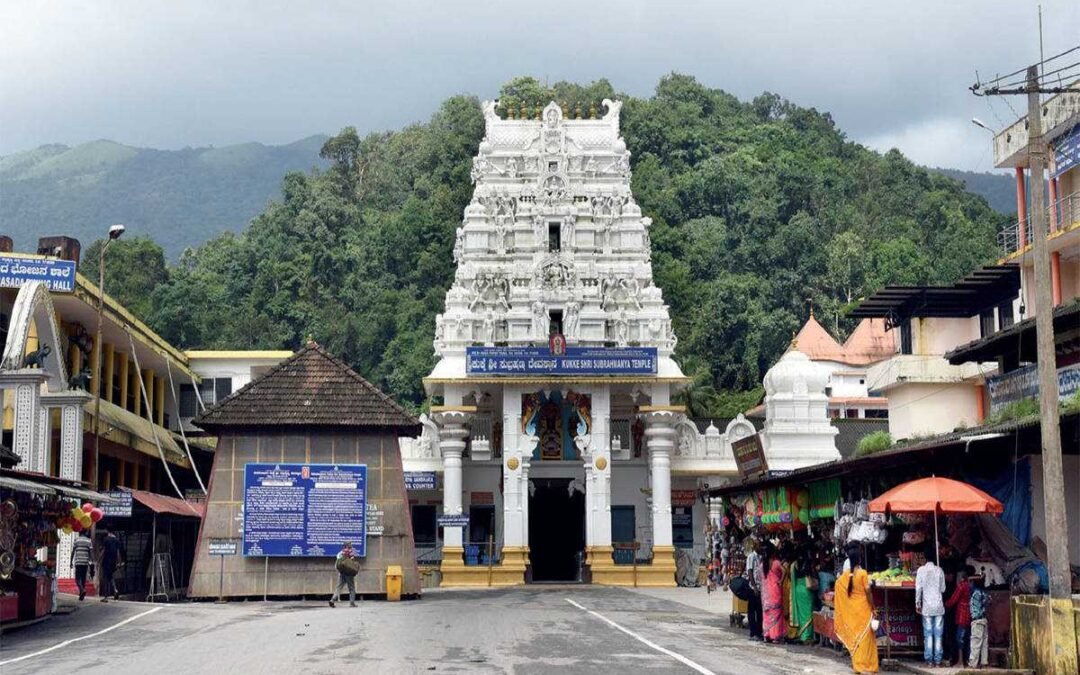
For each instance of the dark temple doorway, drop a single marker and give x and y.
(556, 530)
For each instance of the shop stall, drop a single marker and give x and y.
(35, 511)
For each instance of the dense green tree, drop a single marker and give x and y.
(134, 267)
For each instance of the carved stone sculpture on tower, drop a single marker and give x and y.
(539, 321)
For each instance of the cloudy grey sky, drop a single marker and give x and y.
(201, 72)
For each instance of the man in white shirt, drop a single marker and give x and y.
(930, 603)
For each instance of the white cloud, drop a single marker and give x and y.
(943, 142)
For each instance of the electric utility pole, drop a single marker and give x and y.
(1057, 533)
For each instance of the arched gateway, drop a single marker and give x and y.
(554, 365)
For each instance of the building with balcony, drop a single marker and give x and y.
(926, 393)
(1061, 132)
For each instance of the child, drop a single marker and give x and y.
(980, 637)
(960, 601)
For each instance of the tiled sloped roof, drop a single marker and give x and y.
(814, 341)
(869, 343)
(311, 388)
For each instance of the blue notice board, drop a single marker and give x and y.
(304, 510)
(576, 361)
(57, 275)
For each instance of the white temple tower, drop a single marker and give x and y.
(553, 244)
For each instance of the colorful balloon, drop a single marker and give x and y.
(87, 507)
(96, 515)
(67, 528)
(77, 526)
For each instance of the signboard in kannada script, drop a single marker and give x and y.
(57, 275)
(749, 456)
(304, 510)
(575, 361)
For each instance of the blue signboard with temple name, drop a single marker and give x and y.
(1067, 151)
(576, 361)
(304, 510)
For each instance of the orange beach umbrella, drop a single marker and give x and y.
(936, 495)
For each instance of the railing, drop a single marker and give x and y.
(1067, 210)
(482, 552)
(428, 554)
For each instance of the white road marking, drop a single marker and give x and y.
(678, 657)
(65, 643)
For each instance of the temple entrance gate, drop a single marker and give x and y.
(556, 530)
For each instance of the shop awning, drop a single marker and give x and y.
(171, 505)
(46, 485)
(127, 428)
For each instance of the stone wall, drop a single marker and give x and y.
(290, 577)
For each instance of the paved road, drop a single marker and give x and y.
(572, 629)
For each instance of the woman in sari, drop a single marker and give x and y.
(803, 584)
(772, 598)
(854, 612)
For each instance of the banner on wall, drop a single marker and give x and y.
(1024, 383)
(575, 361)
(304, 510)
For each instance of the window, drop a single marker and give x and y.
(1005, 315)
(423, 523)
(554, 237)
(189, 405)
(212, 390)
(828, 391)
(852, 413)
(986, 323)
(682, 526)
(555, 322)
(834, 414)
(623, 531)
(553, 166)
(905, 338)
(877, 414)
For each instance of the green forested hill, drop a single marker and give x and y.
(181, 197)
(759, 207)
(998, 189)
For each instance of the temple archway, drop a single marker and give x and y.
(34, 307)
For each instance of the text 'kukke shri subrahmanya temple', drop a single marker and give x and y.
(557, 436)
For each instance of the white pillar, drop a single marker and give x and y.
(42, 443)
(70, 404)
(598, 472)
(660, 441)
(25, 385)
(453, 430)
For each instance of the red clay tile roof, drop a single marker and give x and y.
(869, 343)
(815, 342)
(310, 388)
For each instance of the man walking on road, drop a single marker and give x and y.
(82, 555)
(347, 566)
(111, 558)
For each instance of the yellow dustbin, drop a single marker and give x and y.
(393, 583)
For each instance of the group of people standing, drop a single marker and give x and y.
(786, 584)
(968, 601)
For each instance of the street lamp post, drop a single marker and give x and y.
(114, 233)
